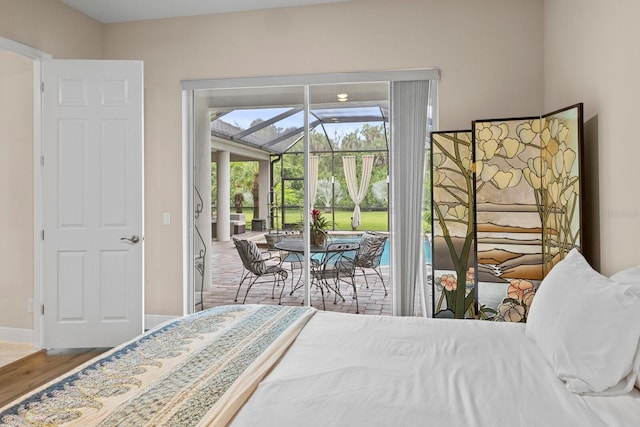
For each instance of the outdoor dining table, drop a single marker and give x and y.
(297, 245)
(330, 253)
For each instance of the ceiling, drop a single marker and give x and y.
(111, 11)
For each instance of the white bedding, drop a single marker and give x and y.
(347, 370)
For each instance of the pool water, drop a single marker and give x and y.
(385, 254)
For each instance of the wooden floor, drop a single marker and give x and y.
(37, 369)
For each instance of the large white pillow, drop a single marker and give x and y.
(630, 276)
(587, 327)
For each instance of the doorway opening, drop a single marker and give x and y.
(291, 142)
(20, 131)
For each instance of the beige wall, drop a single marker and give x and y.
(591, 55)
(16, 190)
(490, 54)
(52, 27)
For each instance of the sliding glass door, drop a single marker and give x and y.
(271, 159)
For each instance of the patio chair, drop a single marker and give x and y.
(337, 265)
(294, 259)
(255, 266)
(369, 255)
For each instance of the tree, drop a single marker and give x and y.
(327, 197)
(364, 140)
(238, 202)
(380, 191)
(242, 178)
(214, 184)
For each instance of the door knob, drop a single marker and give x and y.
(133, 239)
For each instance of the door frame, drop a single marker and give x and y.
(37, 56)
(189, 87)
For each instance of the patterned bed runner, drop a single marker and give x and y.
(174, 375)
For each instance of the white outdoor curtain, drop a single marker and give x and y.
(409, 101)
(313, 179)
(357, 194)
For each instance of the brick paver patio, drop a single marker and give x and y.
(227, 271)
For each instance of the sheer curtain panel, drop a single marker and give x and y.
(409, 100)
(357, 194)
(313, 179)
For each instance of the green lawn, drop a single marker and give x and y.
(375, 221)
(369, 220)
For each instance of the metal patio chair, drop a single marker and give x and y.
(369, 255)
(255, 267)
(337, 265)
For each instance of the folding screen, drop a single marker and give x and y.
(453, 231)
(527, 207)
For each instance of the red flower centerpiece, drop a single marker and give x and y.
(318, 228)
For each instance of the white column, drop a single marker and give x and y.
(265, 184)
(224, 195)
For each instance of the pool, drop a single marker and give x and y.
(385, 254)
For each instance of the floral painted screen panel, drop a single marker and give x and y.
(527, 206)
(561, 139)
(453, 231)
(508, 221)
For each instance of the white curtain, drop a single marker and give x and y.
(356, 193)
(313, 179)
(409, 101)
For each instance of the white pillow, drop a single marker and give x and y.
(630, 276)
(587, 327)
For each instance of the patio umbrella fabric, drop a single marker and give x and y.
(357, 194)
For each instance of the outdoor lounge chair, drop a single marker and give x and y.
(255, 266)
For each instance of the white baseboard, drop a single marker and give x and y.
(26, 335)
(153, 320)
(16, 335)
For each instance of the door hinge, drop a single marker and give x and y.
(42, 309)
(42, 87)
(42, 234)
(42, 161)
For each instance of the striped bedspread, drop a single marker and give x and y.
(197, 370)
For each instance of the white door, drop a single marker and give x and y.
(92, 202)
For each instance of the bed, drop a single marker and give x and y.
(253, 365)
